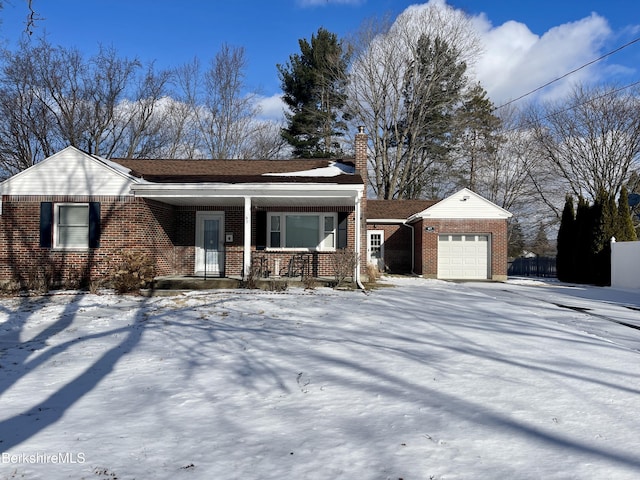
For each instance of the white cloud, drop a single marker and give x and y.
(516, 61)
(271, 108)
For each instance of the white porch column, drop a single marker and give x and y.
(247, 237)
(358, 243)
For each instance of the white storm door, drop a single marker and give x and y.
(209, 244)
(375, 248)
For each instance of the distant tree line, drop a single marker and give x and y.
(52, 97)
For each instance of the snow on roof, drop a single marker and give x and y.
(332, 170)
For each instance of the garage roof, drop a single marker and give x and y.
(396, 209)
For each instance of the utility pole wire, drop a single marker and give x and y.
(569, 73)
(571, 107)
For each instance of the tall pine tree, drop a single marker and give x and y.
(314, 86)
(516, 238)
(566, 257)
(584, 240)
(626, 231)
(604, 218)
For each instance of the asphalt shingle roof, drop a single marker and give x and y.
(234, 171)
(396, 209)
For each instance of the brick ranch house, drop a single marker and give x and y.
(74, 213)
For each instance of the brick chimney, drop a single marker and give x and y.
(361, 165)
(361, 141)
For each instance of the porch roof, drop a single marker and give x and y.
(265, 194)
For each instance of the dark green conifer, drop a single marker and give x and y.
(565, 260)
(625, 232)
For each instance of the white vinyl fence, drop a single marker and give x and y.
(625, 264)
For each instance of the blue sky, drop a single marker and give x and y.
(553, 36)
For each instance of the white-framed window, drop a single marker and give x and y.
(71, 225)
(302, 231)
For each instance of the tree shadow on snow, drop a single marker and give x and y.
(20, 358)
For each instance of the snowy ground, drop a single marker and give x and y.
(423, 380)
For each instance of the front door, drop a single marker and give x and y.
(209, 244)
(375, 248)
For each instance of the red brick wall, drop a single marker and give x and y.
(168, 234)
(185, 238)
(165, 232)
(397, 247)
(322, 262)
(426, 247)
(126, 224)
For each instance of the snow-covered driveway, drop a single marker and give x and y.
(423, 380)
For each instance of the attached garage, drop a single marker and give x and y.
(462, 237)
(464, 257)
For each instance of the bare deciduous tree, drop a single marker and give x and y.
(266, 141)
(26, 125)
(591, 140)
(399, 84)
(145, 134)
(510, 175)
(79, 98)
(105, 84)
(220, 109)
(52, 97)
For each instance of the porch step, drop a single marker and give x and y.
(193, 283)
(172, 284)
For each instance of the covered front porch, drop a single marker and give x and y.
(223, 235)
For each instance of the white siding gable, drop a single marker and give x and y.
(69, 172)
(464, 204)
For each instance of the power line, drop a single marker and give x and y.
(606, 94)
(569, 73)
(571, 107)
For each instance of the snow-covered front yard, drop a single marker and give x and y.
(421, 380)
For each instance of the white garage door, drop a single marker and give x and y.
(463, 257)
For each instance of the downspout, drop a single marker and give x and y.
(358, 213)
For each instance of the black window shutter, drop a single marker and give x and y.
(261, 230)
(46, 224)
(343, 218)
(94, 224)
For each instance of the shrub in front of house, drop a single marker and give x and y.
(344, 263)
(134, 271)
(373, 273)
